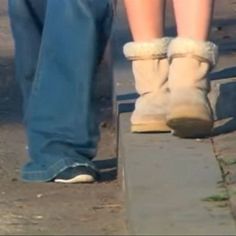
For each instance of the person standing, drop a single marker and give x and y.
(58, 47)
(171, 74)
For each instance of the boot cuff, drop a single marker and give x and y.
(206, 50)
(146, 50)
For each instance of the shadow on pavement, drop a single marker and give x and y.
(10, 96)
(108, 169)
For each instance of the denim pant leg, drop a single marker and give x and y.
(27, 17)
(61, 125)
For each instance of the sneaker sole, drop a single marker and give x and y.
(190, 127)
(77, 179)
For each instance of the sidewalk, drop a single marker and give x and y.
(176, 186)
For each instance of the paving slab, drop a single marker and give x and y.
(167, 184)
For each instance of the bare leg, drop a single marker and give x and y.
(193, 18)
(146, 18)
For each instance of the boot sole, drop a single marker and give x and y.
(160, 127)
(190, 127)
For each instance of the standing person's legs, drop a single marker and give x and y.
(61, 126)
(193, 18)
(146, 18)
(27, 17)
(191, 59)
(149, 62)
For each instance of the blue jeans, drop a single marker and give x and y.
(58, 47)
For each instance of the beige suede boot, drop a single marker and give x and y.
(150, 69)
(190, 114)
